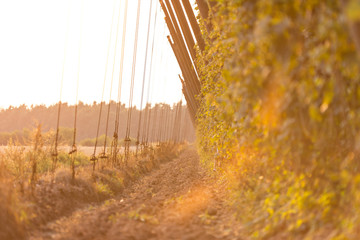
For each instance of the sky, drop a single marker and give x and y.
(40, 38)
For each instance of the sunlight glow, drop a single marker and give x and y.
(32, 47)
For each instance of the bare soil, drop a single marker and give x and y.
(177, 201)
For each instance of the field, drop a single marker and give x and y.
(88, 151)
(178, 200)
(160, 194)
(33, 201)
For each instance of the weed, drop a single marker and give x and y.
(103, 189)
(205, 218)
(142, 217)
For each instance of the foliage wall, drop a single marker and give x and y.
(281, 105)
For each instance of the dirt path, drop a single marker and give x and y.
(177, 201)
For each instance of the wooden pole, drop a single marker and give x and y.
(183, 68)
(194, 24)
(204, 12)
(185, 28)
(179, 42)
(191, 84)
(182, 55)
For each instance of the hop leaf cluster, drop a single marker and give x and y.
(281, 106)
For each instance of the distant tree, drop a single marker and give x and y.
(15, 122)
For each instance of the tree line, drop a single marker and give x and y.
(17, 122)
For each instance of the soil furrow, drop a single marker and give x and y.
(177, 201)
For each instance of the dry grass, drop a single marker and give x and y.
(29, 197)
